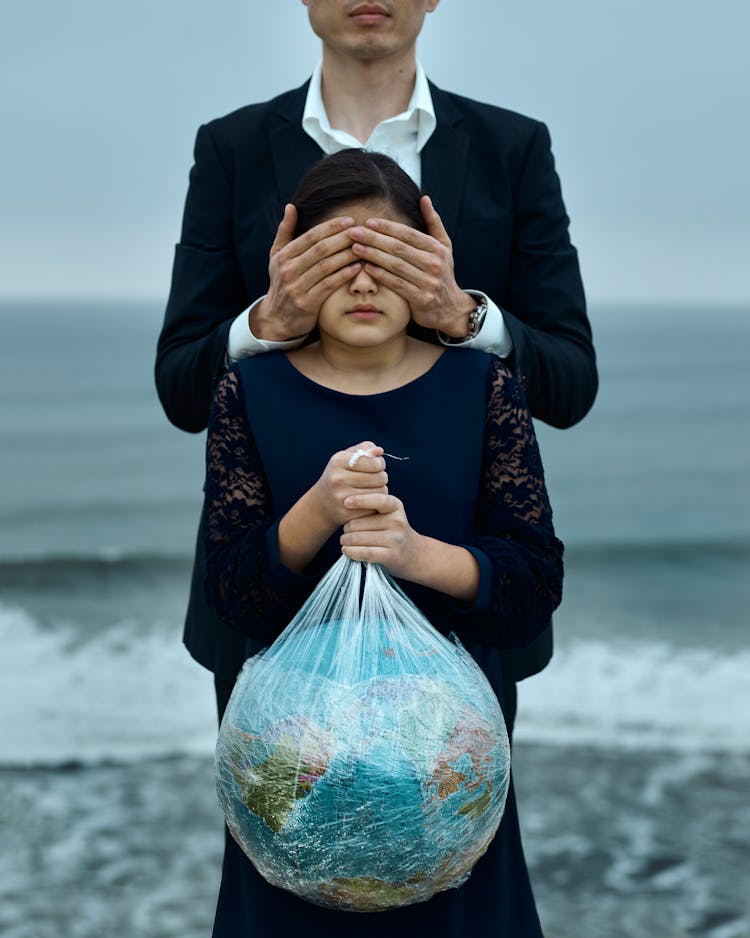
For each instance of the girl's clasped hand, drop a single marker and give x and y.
(354, 494)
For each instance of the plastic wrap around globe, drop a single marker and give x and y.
(363, 761)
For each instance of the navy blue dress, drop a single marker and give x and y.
(473, 477)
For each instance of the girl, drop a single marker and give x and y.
(463, 522)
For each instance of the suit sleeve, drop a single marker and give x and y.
(206, 294)
(544, 307)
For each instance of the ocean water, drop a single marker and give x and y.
(632, 752)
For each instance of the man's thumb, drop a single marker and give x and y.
(285, 231)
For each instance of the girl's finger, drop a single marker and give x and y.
(371, 522)
(365, 451)
(381, 503)
(377, 481)
(367, 554)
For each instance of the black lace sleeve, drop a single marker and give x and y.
(514, 522)
(244, 583)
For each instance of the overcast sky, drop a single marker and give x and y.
(647, 101)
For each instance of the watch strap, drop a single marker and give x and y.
(476, 320)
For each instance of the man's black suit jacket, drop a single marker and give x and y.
(491, 176)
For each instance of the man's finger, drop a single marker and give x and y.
(375, 229)
(434, 222)
(411, 269)
(285, 231)
(406, 289)
(317, 238)
(308, 279)
(377, 245)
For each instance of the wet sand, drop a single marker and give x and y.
(620, 844)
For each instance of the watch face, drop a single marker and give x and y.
(476, 318)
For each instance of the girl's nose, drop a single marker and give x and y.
(363, 283)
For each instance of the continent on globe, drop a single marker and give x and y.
(466, 765)
(297, 756)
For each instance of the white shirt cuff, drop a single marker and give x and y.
(493, 336)
(241, 343)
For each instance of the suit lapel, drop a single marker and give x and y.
(444, 160)
(293, 152)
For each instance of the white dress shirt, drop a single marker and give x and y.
(402, 138)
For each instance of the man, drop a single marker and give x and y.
(495, 219)
(495, 223)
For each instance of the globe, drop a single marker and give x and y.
(363, 788)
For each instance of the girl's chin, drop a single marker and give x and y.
(362, 337)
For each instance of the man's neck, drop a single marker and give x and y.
(359, 95)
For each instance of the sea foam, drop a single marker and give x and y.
(118, 696)
(124, 696)
(628, 694)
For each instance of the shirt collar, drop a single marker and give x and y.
(420, 108)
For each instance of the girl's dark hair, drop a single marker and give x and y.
(353, 176)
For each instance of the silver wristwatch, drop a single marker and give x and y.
(476, 319)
